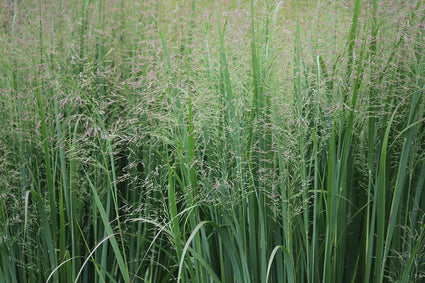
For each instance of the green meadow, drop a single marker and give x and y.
(212, 141)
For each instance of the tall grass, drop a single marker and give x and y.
(198, 141)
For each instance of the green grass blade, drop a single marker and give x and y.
(109, 231)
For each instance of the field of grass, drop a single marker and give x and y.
(212, 141)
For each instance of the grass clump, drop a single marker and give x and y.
(197, 141)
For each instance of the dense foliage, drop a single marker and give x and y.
(212, 141)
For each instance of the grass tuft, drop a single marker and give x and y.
(142, 141)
